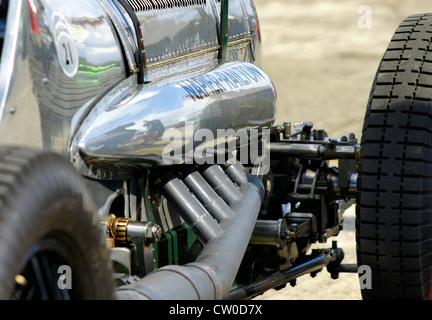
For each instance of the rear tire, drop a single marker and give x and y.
(46, 221)
(394, 204)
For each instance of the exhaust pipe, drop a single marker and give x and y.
(226, 239)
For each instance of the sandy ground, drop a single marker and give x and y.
(322, 62)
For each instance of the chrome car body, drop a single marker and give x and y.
(71, 55)
(55, 58)
(105, 83)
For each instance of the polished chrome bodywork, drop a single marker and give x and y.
(56, 58)
(66, 69)
(189, 36)
(131, 126)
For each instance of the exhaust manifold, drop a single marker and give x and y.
(221, 206)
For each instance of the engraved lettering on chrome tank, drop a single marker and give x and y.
(220, 81)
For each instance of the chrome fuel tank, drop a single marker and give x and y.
(133, 126)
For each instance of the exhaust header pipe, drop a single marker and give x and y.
(226, 235)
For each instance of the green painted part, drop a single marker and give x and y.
(174, 246)
(223, 30)
(156, 255)
(140, 257)
(170, 246)
(171, 249)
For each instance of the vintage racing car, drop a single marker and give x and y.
(139, 158)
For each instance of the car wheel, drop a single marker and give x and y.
(394, 204)
(51, 246)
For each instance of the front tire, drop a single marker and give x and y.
(48, 231)
(394, 204)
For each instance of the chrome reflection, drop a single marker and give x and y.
(126, 129)
(57, 56)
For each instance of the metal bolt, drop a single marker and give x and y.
(330, 144)
(149, 231)
(155, 233)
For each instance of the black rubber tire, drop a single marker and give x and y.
(394, 203)
(46, 212)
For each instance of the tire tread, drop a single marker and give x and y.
(394, 202)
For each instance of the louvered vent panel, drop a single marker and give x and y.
(147, 5)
